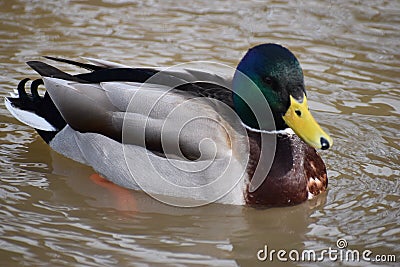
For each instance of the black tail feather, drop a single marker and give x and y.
(90, 67)
(34, 89)
(42, 106)
(49, 71)
(21, 88)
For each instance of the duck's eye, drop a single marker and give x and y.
(268, 80)
(298, 112)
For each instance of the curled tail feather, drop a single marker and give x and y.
(36, 111)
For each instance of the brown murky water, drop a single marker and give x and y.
(51, 212)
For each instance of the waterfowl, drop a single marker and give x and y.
(188, 134)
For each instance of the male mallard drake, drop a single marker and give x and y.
(185, 134)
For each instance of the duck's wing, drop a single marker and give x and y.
(109, 100)
(149, 115)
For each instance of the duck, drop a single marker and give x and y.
(186, 137)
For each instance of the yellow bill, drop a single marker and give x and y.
(299, 118)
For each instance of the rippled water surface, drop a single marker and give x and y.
(53, 214)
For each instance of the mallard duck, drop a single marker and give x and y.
(185, 134)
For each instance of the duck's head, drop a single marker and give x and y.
(275, 71)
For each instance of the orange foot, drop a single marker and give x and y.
(124, 200)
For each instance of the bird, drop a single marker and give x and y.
(185, 136)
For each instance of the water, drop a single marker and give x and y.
(52, 214)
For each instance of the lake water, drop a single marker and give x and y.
(53, 214)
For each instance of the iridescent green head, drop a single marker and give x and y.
(276, 72)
